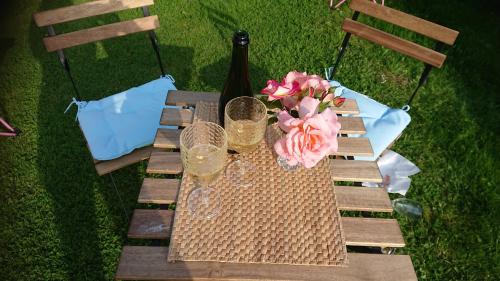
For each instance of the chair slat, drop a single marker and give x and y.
(150, 263)
(176, 117)
(424, 27)
(164, 162)
(372, 232)
(352, 125)
(355, 170)
(354, 147)
(357, 198)
(395, 43)
(167, 138)
(105, 167)
(71, 39)
(150, 224)
(159, 191)
(187, 98)
(88, 9)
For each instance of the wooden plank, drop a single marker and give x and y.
(102, 32)
(150, 263)
(167, 138)
(348, 107)
(352, 125)
(176, 117)
(105, 167)
(188, 98)
(395, 43)
(357, 198)
(155, 224)
(354, 147)
(159, 191)
(372, 232)
(88, 9)
(164, 162)
(355, 170)
(151, 224)
(424, 27)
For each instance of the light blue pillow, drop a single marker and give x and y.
(116, 125)
(383, 124)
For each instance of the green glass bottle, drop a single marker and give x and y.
(238, 82)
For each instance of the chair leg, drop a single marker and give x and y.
(119, 196)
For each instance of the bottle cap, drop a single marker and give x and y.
(241, 38)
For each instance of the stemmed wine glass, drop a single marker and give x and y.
(245, 119)
(204, 154)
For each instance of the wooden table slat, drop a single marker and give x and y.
(176, 117)
(167, 138)
(354, 147)
(357, 198)
(189, 98)
(150, 263)
(370, 232)
(159, 191)
(148, 224)
(352, 125)
(164, 162)
(355, 171)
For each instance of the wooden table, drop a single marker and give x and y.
(150, 262)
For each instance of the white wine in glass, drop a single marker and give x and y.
(198, 157)
(245, 120)
(203, 153)
(245, 135)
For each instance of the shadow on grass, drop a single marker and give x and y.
(462, 202)
(91, 224)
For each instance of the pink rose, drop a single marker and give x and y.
(317, 86)
(309, 138)
(299, 77)
(277, 91)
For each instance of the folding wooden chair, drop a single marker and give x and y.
(376, 125)
(58, 43)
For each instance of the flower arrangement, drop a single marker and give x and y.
(311, 126)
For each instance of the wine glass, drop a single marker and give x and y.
(203, 153)
(408, 208)
(245, 119)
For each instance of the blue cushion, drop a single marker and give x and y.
(383, 124)
(116, 125)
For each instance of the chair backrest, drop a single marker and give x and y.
(415, 24)
(430, 57)
(58, 42)
(55, 42)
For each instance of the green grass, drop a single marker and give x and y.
(60, 221)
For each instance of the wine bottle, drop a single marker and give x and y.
(238, 82)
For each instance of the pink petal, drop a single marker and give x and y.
(308, 107)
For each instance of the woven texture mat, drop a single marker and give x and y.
(285, 217)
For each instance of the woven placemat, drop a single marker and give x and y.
(285, 217)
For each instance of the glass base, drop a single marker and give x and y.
(240, 173)
(204, 203)
(283, 163)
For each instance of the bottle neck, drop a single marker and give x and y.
(239, 61)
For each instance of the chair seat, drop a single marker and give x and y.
(116, 125)
(383, 124)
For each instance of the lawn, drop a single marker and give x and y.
(60, 221)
